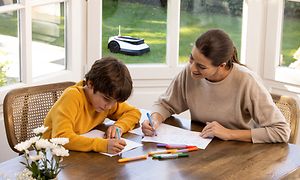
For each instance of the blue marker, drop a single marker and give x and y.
(151, 123)
(118, 133)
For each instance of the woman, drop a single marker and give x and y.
(222, 93)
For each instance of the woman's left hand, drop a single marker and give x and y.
(112, 132)
(214, 129)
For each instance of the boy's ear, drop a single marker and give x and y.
(89, 84)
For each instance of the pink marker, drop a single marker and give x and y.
(178, 146)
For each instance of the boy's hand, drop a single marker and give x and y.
(112, 133)
(115, 146)
(147, 129)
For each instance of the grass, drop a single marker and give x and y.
(149, 22)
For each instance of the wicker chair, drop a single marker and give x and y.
(290, 109)
(25, 109)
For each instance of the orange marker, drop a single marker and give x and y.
(162, 152)
(132, 158)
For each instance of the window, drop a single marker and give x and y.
(168, 27)
(282, 42)
(48, 34)
(35, 46)
(198, 16)
(145, 21)
(9, 48)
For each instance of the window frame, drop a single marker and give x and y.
(272, 70)
(74, 32)
(138, 71)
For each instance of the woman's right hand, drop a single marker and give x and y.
(147, 129)
(115, 145)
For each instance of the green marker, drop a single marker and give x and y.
(170, 156)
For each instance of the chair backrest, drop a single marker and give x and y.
(25, 108)
(290, 109)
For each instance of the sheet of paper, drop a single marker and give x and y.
(100, 134)
(138, 131)
(168, 134)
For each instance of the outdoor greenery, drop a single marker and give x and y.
(147, 19)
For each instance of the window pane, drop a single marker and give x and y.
(197, 16)
(9, 49)
(48, 35)
(290, 36)
(139, 19)
(8, 2)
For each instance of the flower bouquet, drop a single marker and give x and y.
(42, 163)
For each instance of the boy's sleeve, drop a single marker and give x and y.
(126, 116)
(63, 115)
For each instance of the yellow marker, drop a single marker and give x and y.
(132, 158)
(163, 152)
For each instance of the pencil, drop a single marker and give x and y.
(132, 158)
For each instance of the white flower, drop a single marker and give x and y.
(59, 141)
(60, 151)
(22, 146)
(40, 130)
(33, 139)
(43, 144)
(26, 174)
(48, 168)
(36, 157)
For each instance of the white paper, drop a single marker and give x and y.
(138, 131)
(100, 134)
(168, 134)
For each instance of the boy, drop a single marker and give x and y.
(85, 105)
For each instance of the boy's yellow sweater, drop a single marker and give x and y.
(73, 115)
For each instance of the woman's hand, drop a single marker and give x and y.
(112, 133)
(157, 119)
(115, 145)
(214, 129)
(147, 129)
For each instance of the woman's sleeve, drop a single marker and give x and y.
(272, 125)
(173, 100)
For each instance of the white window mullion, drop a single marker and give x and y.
(25, 34)
(9, 8)
(173, 30)
(44, 2)
(94, 31)
(273, 37)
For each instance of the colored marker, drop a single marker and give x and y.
(187, 150)
(162, 152)
(161, 145)
(178, 146)
(118, 133)
(170, 156)
(151, 123)
(132, 158)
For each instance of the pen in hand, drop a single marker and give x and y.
(118, 133)
(151, 123)
(118, 136)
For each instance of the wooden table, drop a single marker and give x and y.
(220, 160)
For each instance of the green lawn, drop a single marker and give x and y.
(149, 22)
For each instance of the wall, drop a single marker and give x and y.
(6, 152)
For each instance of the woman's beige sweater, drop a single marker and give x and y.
(240, 101)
